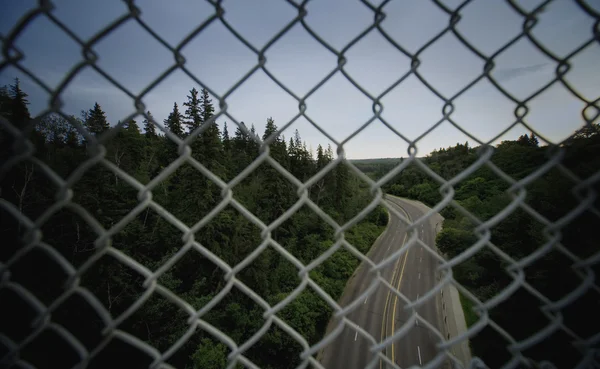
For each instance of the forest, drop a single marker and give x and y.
(554, 194)
(100, 199)
(144, 153)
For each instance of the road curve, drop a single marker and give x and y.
(382, 313)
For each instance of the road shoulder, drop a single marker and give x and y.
(348, 288)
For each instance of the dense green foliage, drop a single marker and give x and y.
(151, 240)
(484, 194)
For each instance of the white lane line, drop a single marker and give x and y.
(366, 298)
(420, 259)
(419, 275)
(356, 334)
(419, 352)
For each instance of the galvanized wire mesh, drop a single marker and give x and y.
(33, 238)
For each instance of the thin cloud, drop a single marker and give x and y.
(506, 74)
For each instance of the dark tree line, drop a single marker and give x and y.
(484, 195)
(152, 241)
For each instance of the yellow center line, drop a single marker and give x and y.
(396, 300)
(384, 318)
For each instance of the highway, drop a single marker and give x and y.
(382, 313)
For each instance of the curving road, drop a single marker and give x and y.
(382, 313)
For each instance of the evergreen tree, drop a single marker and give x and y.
(297, 140)
(253, 145)
(149, 127)
(329, 184)
(193, 113)
(208, 110)
(342, 191)
(276, 191)
(174, 122)
(170, 150)
(320, 185)
(300, 159)
(212, 147)
(277, 148)
(321, 161)
(294, 158)
(524, 140)
(240, 139)
(227, 154)
(533, 140)
(95, 120)
(226, 139)
(126, 149)
(240, 153)
(132, 127)
(18, 111)
(329, 153)
(153, 149)
(307, 163)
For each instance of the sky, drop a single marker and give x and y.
(130, 55)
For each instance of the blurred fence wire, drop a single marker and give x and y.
(33, 238)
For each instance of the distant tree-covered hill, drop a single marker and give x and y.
(376, 168)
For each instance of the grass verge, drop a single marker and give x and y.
(470, 316)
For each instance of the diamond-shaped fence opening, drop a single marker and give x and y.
(78, 316)
(168, 235)
(46, 265)
(62, 352)
(258, 195)
(117, 346)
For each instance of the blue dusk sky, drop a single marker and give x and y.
(130, 55)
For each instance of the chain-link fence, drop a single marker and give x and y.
(446, 337)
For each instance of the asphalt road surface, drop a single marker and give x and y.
(382, 313)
